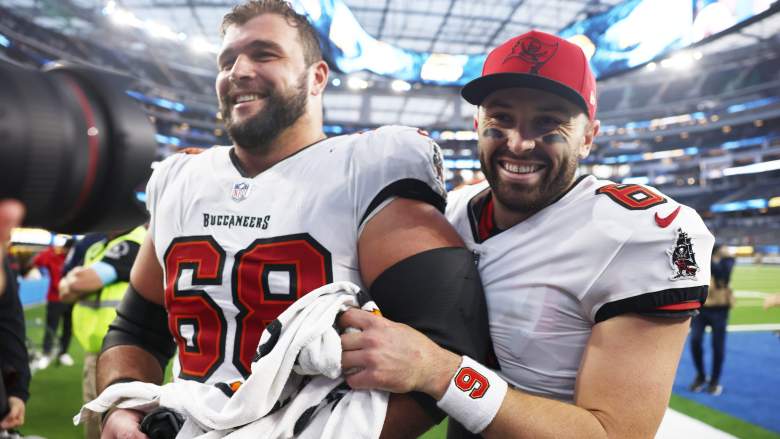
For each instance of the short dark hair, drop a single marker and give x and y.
(241, 14)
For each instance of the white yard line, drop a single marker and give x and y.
(756, 327)
(676, 425)
(750, 294)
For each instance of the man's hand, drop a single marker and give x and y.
(15, 417)
(11, 214)
(392, 356)
(123, 424)
(79, 282)
(67, 295)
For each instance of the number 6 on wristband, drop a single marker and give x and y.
(474, 395)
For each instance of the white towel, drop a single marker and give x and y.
(300, 376)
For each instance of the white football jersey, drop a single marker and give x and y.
(601, 250)
(236, 251)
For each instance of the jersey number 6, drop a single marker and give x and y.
(196, 320)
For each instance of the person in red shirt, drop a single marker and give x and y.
(52, 259)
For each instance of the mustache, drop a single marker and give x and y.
(227, 99)
(535, 154)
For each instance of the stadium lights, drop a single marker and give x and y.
(336, 82)
(443, 67)
(122, 17)
(356, 83)
(680, 61)
(636, 180)
(125, 18)
(158, 30)
(200, 45)
(400, 86)
(753, 169)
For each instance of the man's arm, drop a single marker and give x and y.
(623, 385)
(78, 283)
(129, 362)
(402, 229)
(121, 362)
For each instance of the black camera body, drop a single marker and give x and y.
(75, 148)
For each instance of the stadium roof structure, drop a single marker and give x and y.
(456, 27)
(442, 26)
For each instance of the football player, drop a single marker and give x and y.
(238, 233)
(590, 284)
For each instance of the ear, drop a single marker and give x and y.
(318, 77)
(591, 130)
(476, 124)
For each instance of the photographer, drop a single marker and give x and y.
(13, 353)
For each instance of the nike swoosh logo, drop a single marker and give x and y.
(664, 222)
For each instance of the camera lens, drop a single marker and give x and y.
(75, 149)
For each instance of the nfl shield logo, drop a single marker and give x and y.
(240, 191)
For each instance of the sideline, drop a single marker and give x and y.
(676, 425)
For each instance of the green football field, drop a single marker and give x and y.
(56, 391)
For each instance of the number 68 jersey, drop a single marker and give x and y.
(236, 251)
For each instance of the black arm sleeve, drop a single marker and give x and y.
(439, 293)
(121, 256)
(14, 362)
(141, 323)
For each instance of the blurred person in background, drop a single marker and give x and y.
(52, 259)
(772, 300)
(75, 257)
(715, 314)
(13, 351)
(96, 288)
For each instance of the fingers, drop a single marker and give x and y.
(357, 318)
(15, 417)
(123, 424)
(363, 379)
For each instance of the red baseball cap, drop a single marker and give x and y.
(537, 60)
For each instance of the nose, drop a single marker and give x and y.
(518, 142)
(241, 70)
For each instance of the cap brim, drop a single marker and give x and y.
(478, 89)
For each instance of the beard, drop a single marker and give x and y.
(526, 199)
(260, 131)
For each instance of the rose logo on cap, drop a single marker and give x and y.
(533, 51)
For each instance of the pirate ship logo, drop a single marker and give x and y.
(534, 52)
(682, 258)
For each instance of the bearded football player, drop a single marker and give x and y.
(238, 233)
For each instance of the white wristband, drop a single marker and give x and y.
(474, 395)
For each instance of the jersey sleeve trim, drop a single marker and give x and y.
(406, 188)
(680, 301)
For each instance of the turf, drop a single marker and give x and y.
(56, 391)
(758, 278)
(720, 420)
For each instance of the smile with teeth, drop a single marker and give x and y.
(246, 98)
(520, 169)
